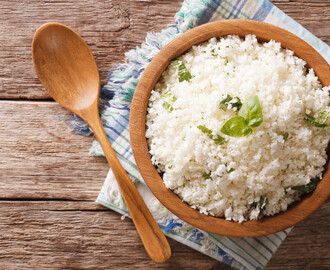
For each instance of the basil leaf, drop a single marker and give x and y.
(183, 73)
(308, 187)
(219, 140)
(224, 103)
(167, 106)
(236, 127)
(207, 175)
(251, 112)
(319, 121)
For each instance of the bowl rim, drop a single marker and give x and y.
(264, 32)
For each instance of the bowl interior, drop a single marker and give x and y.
(264, 33)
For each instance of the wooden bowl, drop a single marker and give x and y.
(264, 32)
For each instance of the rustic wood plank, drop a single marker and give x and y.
(57, 235)
(84, 235)
(109, 27)
(41, 157)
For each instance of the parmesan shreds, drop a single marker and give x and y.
(239, 178)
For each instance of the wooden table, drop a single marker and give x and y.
(48, 217)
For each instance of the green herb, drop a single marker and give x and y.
(170, 167)
(261, 204)
(207, 175)
(286, 136)
(308, 187)
(224, 103)
(219, 140)
(166, 94)
(251, 112)
(226, 61)
(230, 170)
(205, 130)
(214, 53)
(183, 73)
(236, 127)
(169, 95)
(320, 120)
(167, 106)
(250, 115)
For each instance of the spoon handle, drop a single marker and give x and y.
(152, 237)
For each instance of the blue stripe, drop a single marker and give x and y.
(263, 11)
(233, 9)
(262, 244)
(207, 14)
(238, 10)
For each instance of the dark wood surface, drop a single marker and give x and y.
(48, 218)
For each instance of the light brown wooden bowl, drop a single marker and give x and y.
(264, 32)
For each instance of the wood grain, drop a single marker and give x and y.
(42, 160)
(84, 235)
(263, 32)
(109, 27)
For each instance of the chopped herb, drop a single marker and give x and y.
(230, 170)
(323, 116)
(183, 73)
(308, 187)
(226, 61)
(166, 94)
(320, 120)
(261, 204)
(214, 53)
(204, 129)
(219, 140)
(167, 106)
(169, 95)
(224, 103)
(170, 167)
(286, 136)
(207, 175)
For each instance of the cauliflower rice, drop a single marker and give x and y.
(230, 180)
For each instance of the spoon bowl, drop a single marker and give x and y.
(67, 70)
(76, 84)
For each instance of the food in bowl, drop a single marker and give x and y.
(238, 129)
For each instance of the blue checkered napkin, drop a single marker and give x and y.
(116, 96)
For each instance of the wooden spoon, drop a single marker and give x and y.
(67, 69)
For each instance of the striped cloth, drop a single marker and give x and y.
(116, 96)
